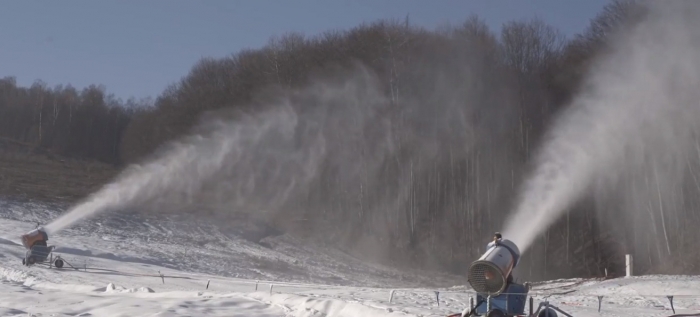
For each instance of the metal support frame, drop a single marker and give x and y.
(52, 260)
(547, 305)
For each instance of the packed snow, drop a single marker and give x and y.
(129, 265)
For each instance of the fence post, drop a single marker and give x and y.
(600, 301)
(208, 283)
(628, 265)
(670, 299)
(437, 297)
(161, 276)
(391, 295)
(256, 285)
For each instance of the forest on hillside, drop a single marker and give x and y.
(464, 110)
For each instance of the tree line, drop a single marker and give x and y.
(463, 108)
(87, 124)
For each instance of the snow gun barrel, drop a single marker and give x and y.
(490, 273)
(36, 236)
(496, 293)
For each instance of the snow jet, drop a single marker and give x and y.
(326, 160)
(185, 166)
(255, 162)
(638, 111)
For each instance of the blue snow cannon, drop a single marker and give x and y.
(491, 277)
(496, 293)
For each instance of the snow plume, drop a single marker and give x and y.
(256, 161)
(635, 119)
(354, 152)
(189, 162)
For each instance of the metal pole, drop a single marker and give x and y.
(629, 265)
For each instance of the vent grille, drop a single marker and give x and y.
(486, 278)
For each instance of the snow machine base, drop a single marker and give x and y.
(544, 309)
(43, 255)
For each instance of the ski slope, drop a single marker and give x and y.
(120, 259)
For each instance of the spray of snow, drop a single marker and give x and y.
(253, 162)
(639, 107)
(187, 164)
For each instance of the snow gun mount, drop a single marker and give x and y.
(38, 252)
(496, 293)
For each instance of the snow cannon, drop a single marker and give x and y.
(491, 273)
(491, 277)
(37, 249)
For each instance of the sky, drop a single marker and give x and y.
(138, 48)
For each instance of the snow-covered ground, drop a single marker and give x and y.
(125, 256)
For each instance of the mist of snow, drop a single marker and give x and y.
(638, 111)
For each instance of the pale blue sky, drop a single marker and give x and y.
(136, 48)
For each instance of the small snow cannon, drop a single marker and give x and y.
(37, 249)
(497, 295)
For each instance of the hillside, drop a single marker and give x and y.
(39, 177)
(395, 141)
(120, 259)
